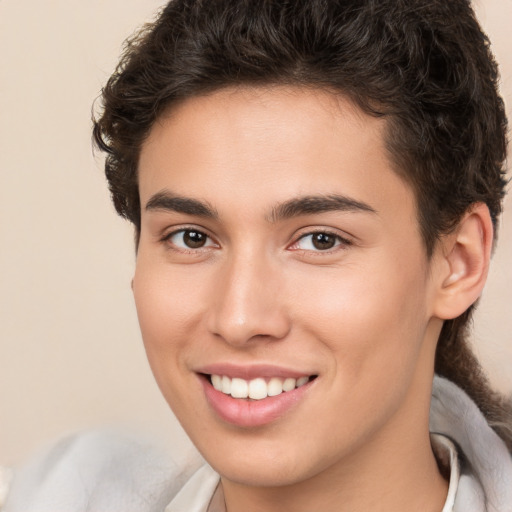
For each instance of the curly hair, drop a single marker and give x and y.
(424, 65)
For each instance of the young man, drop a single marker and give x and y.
(314, 187)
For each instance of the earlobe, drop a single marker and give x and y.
(465, 262)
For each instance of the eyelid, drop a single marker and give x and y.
(166, 237)
(343, 239)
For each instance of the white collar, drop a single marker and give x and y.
(446, 454)
(197, 492)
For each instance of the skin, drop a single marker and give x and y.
(364, 315)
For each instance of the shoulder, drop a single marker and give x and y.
(485, 462)
(99, 471)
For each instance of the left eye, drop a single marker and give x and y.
(318, 241)
(190, 239)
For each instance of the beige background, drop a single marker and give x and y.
(70, 351)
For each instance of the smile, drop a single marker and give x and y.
(254, 401)
(258, 388)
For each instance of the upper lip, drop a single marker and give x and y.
(249, 372)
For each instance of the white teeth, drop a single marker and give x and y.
(302, 381)
(239, 388)
(256, 389)
(289, 384)
(274, 386)
(217, 382)
(226, 385)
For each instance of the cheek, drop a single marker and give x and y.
(168, 304)
(366, 315)
(164, 296)
(371, 328)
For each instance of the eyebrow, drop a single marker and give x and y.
(166, 201)
(308, 205)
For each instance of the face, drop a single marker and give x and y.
(282, 287)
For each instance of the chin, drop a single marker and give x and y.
(260, 463)
(271, 474)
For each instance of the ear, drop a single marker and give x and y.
(463, 263)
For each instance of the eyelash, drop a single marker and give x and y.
(166, 239)
(340, 242)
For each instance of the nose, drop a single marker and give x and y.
(248, 303)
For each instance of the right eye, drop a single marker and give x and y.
(189, 239)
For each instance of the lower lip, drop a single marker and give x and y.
(252, 413)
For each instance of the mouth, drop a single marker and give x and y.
(256, 401)
(258, 388)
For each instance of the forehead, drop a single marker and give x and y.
(248, 146)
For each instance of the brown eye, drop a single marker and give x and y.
(319, 241)
(194, 239)
(190, 239)
(323, 241)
